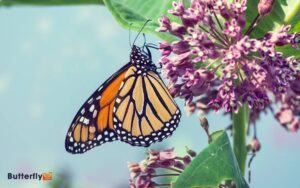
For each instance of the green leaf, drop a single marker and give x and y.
(137, 12)
(284, 12)
(214, 164)
(288, 50)
(49, 2)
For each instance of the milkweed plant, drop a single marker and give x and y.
(217, 63)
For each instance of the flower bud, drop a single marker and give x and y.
(133, 167)
(178, 8)
(180, 47)
(144, 165)
(191, 152)
(150, 171)
(165, 24)
(265, 7)
(255, 145)
(201, 105)
(152, 153)
(177, 29)
(167, 163)
(285, 116)
(179, 165)
(174, 89)
(187, 160)
(167, 154)
(204, 123)
(190, 108)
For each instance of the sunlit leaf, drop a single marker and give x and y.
(214, 164)
(284, 12)
(137, 12)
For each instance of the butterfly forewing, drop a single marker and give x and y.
(93, 123)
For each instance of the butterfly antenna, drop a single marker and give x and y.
(130, 35)
(141, 31)
(144, 36)
(151, 45)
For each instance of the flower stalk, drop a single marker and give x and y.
(240, 125)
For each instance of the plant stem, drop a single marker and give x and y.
(240, 124)
(162, 175)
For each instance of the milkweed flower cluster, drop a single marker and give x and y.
(143, 174)
(215, 64)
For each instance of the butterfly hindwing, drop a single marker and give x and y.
(144, 111)
(93, 124)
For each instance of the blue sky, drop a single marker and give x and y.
(52, 59)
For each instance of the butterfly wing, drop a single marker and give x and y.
(144, 110)
(93, 123)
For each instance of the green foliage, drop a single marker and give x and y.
(214, 164)
(287, 50)
(49, 2)
(284, 12)
(137, 12)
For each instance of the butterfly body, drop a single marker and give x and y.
(133, 106)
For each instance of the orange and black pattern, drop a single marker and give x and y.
(133, 106)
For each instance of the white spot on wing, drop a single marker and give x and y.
(90, 101)
(92, 108)
(86, 121)
(94, 113)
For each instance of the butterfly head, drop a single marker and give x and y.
(141, 57)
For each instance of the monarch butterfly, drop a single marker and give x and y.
(133, 106)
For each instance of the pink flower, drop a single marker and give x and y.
(143, 174)
(221, 66)
(167, 154)
(232, 28)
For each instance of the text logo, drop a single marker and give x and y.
(46, 176)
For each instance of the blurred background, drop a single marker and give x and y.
(51, 60)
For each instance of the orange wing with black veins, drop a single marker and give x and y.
(93, 123)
